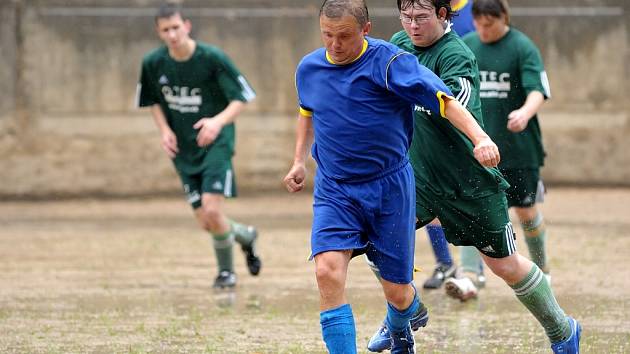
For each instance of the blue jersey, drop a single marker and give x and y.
(463, 18)
(363, 111)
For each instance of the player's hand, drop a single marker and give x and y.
(517, 121)
(487, 153)
(169, 143)
(209, 129)
(294, 180)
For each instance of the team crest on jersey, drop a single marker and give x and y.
(163, 80)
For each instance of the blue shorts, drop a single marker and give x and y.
(376, 217)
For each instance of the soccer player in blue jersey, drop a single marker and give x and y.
(356, 98)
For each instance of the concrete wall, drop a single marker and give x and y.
(68, 72)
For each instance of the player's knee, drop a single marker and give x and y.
(212, 214)
(203, 223)
(399, 295)
(328, 272)
(534, 226)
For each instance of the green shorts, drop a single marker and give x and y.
(526, 187)
(482, 222)
(216, 178)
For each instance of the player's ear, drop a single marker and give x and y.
(366, 29)
(442, 13)
(188, 25)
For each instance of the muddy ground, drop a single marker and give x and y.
(135, 276)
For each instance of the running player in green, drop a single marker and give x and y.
(467, 198)
(514, 86)
(195, 93)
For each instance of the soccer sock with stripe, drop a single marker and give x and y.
(338, 330)
(439, 244)
(536, 294)
(535, 237)
(397, 320)
(223, 250)
(242, 233)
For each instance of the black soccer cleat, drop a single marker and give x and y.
(253, 260)
(225, 279)
(440, 274)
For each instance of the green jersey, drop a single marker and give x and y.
(510, 69)
(187, 91)
(441, 156)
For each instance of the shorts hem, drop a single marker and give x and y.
(356, 251)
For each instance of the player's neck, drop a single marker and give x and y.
(183, 52)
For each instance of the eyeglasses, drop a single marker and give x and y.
(418, 20)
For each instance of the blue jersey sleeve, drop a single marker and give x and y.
(415, 83)
(300, 88)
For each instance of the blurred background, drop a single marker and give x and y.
(69, 68)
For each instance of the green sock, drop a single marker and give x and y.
(535, 236)
(470, 259)
(223, 250)
(536, 294)
(243, 234)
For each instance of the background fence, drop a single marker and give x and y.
(68, 73)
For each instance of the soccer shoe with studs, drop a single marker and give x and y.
(253, 260)
(570, 345)
(440, 274)
(381, 340)
(225, 279)
(460, 288)
(403, 342)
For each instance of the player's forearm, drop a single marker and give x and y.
(231, 111)
(159, 118)
(464, 121)
(303, 140)
(533, 102)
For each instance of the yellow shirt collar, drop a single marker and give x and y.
(459, 6)
(365, 45)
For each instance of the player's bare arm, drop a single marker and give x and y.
(167, 137)
(209, 128)
(518, 119)
(294, 180)
(485, 151)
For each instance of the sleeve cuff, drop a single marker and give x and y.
(306, 112)
(441, 96)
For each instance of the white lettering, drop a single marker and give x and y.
(182, 99)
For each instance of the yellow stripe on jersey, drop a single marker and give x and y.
(440, 96)
(365, 45)
(305, 112)
(459, 6)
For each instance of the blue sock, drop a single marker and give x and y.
(396, 320)
(338, 330)
(439, 244)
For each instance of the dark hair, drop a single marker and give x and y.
(493, 8)
(339, 8)
(169, 9)
(425, 4)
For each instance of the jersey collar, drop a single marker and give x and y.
(365, 45)
(460, 5)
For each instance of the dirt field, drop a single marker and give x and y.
(135, 276)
